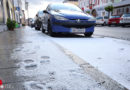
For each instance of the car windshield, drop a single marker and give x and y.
(105, 17)
(126, 15)
(70, 7)
(115, 17)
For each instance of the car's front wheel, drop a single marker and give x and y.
(89, 34)
(49, 27)
(43, 30)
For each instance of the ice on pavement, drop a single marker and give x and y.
(110, 56)
(43, 66)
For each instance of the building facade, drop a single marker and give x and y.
(6, 11)
(18, 11)
(97, 7)
(75, 2)
(122, 7)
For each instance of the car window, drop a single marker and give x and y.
(105, 17)
(40, 14)
(117, 16)
(112, 17)
(126, 15)
(70, 7)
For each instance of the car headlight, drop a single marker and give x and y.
(92, 19)
(60, 18)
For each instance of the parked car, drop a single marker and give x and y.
(114, 20)
(125, 19)
(32, 23)
(102, 21)
(67, 18)
(38, 19)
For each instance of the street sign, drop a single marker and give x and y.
(18, 8)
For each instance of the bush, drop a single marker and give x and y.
(11, 24)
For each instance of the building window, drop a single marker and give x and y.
(127, 10)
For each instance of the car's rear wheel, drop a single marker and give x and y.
(50, 32)
(88, 34)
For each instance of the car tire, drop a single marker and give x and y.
(123, 25)
(35, 28)
(50, 32)
(88, 34)
(109, 25)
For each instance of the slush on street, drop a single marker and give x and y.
(64, 44)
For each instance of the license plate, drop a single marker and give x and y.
(113, 22)
(78, 30)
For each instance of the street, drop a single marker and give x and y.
(113, 31)
(31, 60)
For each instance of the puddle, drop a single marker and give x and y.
(31, 67)
(45, 57)
(28, 61)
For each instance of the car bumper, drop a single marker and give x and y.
(66, 27)
(125, 23)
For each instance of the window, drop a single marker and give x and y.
(127, 10)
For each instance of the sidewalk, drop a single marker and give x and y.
(2, 27)
(109, 56)
(30, 61)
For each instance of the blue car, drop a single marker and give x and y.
(67, 18)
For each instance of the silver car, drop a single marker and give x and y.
(125, 20)
(102, 21)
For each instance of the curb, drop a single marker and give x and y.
(99, 76)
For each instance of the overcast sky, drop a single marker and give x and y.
(38, 5)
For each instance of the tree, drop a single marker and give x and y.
(109, 9)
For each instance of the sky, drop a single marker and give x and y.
(38, 5)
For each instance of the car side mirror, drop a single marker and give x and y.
(45, 11)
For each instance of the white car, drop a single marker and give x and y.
(125, 20)
(101, 21)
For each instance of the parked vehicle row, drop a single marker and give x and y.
(114, 20)
(65, 18)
